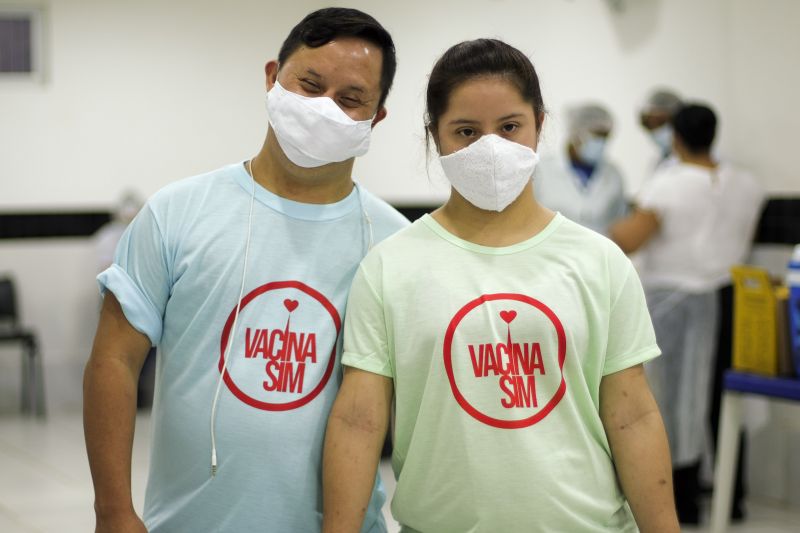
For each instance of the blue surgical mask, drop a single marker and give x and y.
(662, 136)
(591, 149)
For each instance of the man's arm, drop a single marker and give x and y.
(639, 447)
(109, 416)
(631, 232)
(353, 442)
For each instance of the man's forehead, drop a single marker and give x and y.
(348, 57)
(341, 49)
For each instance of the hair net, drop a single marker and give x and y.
(662, 101)
(588, 117)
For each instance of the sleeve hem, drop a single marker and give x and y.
(137, 309)
(641, 356)
(367, 364)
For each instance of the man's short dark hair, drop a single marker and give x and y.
(696, 126)
(323, 26)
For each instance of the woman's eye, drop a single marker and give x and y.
(510, 128)
(466, 132)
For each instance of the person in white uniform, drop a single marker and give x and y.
(692, 222)
(581, 183)
(655, 116)
(240, 277)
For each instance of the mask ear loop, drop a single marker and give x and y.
(233, 329)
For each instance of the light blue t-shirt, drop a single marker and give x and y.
(177, 275)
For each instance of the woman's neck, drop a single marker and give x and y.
(521, 220)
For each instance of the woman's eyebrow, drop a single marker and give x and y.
(463, 121)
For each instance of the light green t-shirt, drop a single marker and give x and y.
(497, 356)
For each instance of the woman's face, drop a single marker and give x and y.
(481, 106)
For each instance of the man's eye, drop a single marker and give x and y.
(309, 86)
(350, 102)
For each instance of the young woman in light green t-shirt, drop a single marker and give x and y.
(505, 341)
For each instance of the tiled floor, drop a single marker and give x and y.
(45, 484)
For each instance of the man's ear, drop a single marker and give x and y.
(380, 115)
(678, 146)
(271, 70)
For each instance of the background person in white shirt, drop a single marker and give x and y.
(580, 182)
(692, 222)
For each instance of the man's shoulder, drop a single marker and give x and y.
(382, 215)
(740, 176)
(188, 189)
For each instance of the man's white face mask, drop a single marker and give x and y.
(491, 172)
(315, 131)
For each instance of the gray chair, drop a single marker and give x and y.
(11, 331)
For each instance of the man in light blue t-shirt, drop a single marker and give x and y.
(240, 277)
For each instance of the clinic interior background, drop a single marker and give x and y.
(136, 94)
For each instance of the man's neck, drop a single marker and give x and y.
(322, 185)
(701, 160)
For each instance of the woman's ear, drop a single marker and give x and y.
(540, 122)
(431, 133)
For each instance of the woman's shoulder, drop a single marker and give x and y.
(589, 249)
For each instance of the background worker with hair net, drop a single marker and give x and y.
(655, 117)
(581, 182)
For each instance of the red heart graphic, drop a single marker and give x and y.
(508, 316)
(291, 305)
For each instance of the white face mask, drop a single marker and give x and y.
(491, 172)
(662, 136)
(591, 149)
(315, 131)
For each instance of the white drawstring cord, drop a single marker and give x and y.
(233, 328)
(371, 236)
(239, 304)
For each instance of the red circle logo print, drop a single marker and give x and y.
(504, 357)
(284, 349)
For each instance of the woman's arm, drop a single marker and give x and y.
(353, 442)
(639, 448)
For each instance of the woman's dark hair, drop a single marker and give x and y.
(475, 59)
(324, 25)
(696, 126)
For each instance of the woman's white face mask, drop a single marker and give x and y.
(491, 172)
(314, 131)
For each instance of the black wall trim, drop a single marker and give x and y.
(779, 224)
(48, 225)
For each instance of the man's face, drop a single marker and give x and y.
(347, 70)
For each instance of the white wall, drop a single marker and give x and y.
(142, 93)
